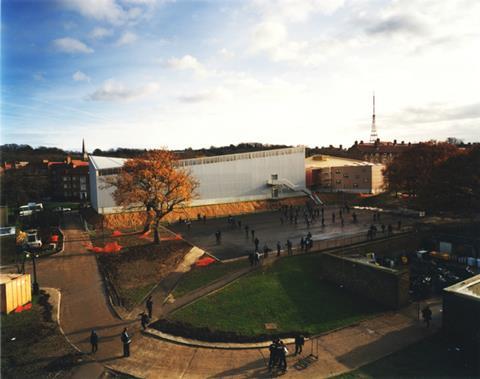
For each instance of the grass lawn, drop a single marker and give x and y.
(32, 345)
(201, 276)
(65, 204)
(139, 265)
(289, 293)
(429, 358)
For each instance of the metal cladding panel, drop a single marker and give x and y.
(228, 179)
(92, 172)
(247, 177)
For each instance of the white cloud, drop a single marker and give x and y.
(80, 76)
(225, 53)
(294, 10)
(112, 90)
(268, 35)
(106, 10)
(71, 45)
(99, 33)
(187, 62)
(39, 76)
(218, 93)
(127, 38)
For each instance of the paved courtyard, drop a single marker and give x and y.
(269, 229)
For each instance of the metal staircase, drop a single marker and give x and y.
(287, 183)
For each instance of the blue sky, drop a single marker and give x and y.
(164, 73)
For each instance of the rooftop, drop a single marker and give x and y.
(322, 161)
(469, 288)
(102, 163)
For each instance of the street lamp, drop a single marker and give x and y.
(36, 288)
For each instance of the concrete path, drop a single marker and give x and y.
(85, 306)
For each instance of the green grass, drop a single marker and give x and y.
(201, 276)
(133, 296)
(429, 358)
(32, 345)
(289, 293)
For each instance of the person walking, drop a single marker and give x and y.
(251, 258)
(302, 243)
(427, 315)
(272, 361)
(144, 319)
(246, 231)
(279, 248)
(126, 341)
(289, 247)
(149, 305)
(253, 234)
(282, 352)
(94, 341)
(299, 342)
(256, 241)
(257, 258)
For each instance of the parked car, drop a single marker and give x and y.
(30, 208)
(62, 209)
(32, 239)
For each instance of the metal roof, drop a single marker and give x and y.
(100, 163)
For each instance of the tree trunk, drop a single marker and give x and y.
(156, 237)
(148, 221)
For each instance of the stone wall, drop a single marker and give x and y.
(383, 285)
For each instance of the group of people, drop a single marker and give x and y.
(312, 213)
(278, 352)
(125, 338)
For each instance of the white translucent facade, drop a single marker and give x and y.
(222, 179)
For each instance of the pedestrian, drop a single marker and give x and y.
(299, 342)
(239, 222)
(189, 224)
(427, 315)
(251, 258)
(265, 251)
(279, 248)
(333, 218)
(256, 241)
(383, 228)
(246, 231)
(390, 229)
(354, 217)
(217, 237)
(204, 219)
(199, 216)
(272, 361)
(94, 341)
(144, 319)
(289, 247)
(126, 341)
(149, 305)
(257, 258)
(253, 234)
(399, 224)
(323, 221)
(282, 352)
(302, 244)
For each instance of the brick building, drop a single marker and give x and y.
(335, 174)
(377, 152)
(69, 179)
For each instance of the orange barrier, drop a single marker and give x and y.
(117, 233)
(204, 262)
(22, 308)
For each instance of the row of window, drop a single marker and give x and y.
(83, 179)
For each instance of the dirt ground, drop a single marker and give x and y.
(139, 265)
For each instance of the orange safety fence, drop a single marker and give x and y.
(204, 262)
(22, 308)
(117, 233)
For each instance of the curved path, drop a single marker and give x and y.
(84, 306)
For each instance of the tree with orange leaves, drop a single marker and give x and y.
(155, 182)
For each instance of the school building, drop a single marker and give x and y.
(233, 178)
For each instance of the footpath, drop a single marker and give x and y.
(85, 306)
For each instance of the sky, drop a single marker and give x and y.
(177, 74)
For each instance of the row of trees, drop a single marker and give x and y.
(441, 176)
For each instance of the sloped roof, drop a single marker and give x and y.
(100, 163)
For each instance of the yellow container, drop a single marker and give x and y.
(16, 290)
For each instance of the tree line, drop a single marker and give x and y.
(440, 176)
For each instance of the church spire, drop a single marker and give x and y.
(84, 153)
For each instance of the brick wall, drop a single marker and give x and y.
(383, 285)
